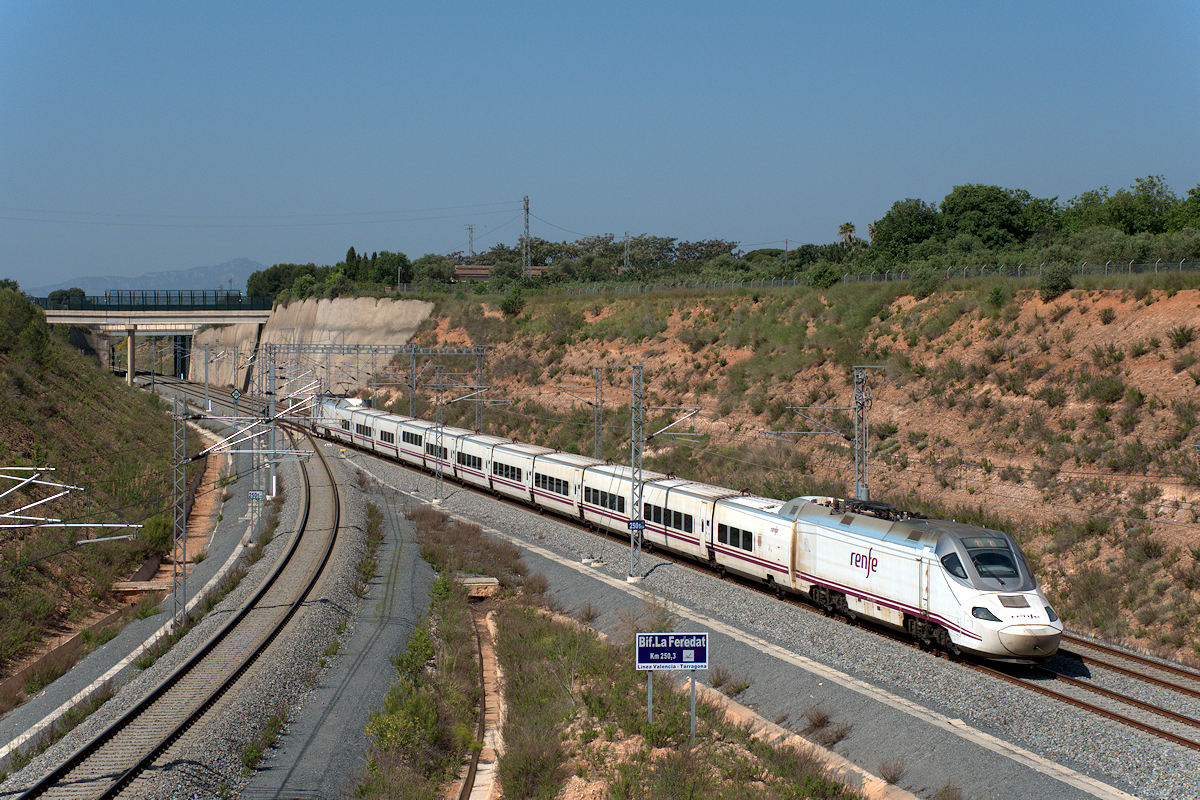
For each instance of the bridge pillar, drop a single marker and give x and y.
(130, 343)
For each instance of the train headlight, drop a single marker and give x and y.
(1050, 613)
(979, 612)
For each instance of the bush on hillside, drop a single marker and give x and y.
(513, 303)
(1055, 281)
(926, 281)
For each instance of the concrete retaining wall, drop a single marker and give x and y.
(350, 320)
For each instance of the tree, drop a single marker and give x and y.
(432, 269)
(1187, 213)
(1144, 207)
(986, 211)
(846, 231)
(907, 222)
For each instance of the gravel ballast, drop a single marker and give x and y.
(1121, 757)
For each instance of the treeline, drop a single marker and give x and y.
(975, 225)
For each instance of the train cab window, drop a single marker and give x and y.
(994, 564)
(954, 566)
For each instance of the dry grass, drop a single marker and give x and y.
(891, 770)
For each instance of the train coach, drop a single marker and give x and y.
(959, 587)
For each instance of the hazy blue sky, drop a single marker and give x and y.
(147, 136)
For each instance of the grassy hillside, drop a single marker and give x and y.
(62, 410)
(1068, 422)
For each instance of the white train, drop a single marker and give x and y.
(955, 586)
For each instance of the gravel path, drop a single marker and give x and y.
(1116, 755)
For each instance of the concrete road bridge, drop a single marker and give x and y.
(175, 313)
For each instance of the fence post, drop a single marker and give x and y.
(1106, 263)
(1129, 271)
(1181, 264)
(1081, 266)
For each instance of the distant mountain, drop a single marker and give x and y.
(217, 276)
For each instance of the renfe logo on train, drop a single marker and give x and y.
(865, 561)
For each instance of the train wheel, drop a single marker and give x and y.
(946, 644)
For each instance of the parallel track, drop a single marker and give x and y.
(468, 784)
(105, 766)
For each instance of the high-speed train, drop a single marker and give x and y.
(958, 587)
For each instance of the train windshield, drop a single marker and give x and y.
(995, 564)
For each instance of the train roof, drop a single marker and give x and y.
(487, 440)
(875, 521)
(570, 459)
(622, 471)
(703, 491)
(523, 448)
(763, 505)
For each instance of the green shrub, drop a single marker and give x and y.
(1055, 281)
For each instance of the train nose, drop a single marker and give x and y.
(1030, 641)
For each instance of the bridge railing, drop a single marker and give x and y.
(156, 300)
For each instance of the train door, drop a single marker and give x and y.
(923, 582)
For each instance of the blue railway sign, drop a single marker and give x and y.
(637, 525)
(672, 651)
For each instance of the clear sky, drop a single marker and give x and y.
(146, 136)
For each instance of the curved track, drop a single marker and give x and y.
(113, 760)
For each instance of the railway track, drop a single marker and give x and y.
(1117, 706)
(112, 762)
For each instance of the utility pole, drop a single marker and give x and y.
(439, 416)
(271, 413)
(636, 523)
(625, 261)
(470, 240)
(179, 527)
(525, 265)
(207, 402)
(862, 408)
(479, 397)
(785, 256)
(598, 410)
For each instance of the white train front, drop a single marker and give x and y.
(959, 587)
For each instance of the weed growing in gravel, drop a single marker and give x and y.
(367, 564)
(427, 722)
(254, 750)
(891, 769)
